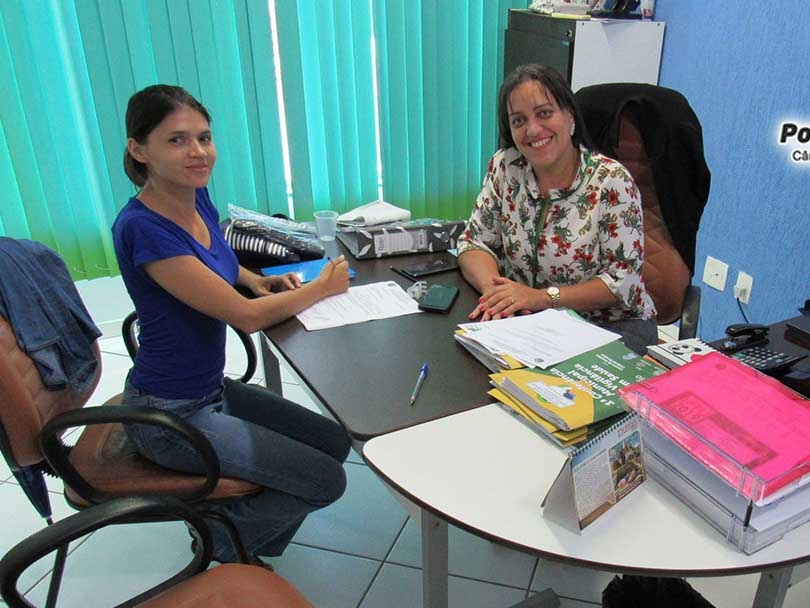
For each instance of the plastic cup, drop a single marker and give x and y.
(326, 224)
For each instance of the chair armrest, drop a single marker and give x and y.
(250, 351)
(57, 453)
(128, 334)
(120, 510)
(131, 343)
(690, 313)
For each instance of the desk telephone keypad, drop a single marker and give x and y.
(767, 361)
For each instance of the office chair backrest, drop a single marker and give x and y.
(655, 133)
(665, 274)
(25, 405)
(130, 330)
(25, 408)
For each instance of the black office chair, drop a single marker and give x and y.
(654, 132)
(225, 586)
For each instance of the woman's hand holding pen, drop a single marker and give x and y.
(334, 277)
(505, 298)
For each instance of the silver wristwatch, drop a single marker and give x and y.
(554, 294)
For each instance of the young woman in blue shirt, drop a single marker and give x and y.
(181, 273)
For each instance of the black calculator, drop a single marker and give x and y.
(767, 361)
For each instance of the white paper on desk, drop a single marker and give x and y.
(376, 212)
(539, 340)
(359, 304)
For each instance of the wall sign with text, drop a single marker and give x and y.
(796, 137)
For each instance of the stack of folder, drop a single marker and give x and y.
(731, 443)
(577, 398)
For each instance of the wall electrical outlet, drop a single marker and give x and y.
(715, 273)
(743, 286)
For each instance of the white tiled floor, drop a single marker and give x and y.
(362, 552)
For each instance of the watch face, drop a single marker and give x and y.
(553, 291)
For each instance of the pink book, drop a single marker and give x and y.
(746, 427)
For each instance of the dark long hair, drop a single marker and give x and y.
(554, 84)
(146, 110)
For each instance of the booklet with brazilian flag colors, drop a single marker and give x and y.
(581, 390)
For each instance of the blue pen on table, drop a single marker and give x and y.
(422, 375)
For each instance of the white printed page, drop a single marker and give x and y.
(539, 340)
(359, 304)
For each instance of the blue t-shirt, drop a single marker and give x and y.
(181, 352)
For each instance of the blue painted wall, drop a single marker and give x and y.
(745, 67)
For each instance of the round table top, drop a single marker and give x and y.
(487, 472)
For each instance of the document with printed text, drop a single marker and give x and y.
(539, 340)
(359, 304)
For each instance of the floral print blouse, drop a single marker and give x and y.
(593, 229)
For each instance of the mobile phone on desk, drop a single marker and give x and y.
(439, 298)
(415, 271)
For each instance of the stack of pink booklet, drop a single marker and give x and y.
(746, 427)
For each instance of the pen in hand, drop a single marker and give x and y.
(422, 375)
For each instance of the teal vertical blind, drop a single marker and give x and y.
(325, 60)
(440, 64)
(67, 70)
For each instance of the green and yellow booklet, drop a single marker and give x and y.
(581, 390)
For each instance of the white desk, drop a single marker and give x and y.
(487, 473)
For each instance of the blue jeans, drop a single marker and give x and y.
(295, 454)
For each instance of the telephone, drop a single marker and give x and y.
(744, 335)
(744, 341)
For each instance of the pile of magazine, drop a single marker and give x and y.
(556, 371)
(574, 400)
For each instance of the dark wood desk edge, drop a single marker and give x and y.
(380, 270)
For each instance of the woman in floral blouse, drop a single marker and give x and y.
(556, 225)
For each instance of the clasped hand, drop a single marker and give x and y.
(505, 298)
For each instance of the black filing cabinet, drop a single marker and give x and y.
(534, 38)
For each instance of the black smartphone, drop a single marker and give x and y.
(422, 269)
(439, 298)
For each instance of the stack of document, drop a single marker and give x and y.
(730, 442)
(574, 399)
(539, 340)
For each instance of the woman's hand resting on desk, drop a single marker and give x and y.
(264, 286)
(334, 277)
(506, 298)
